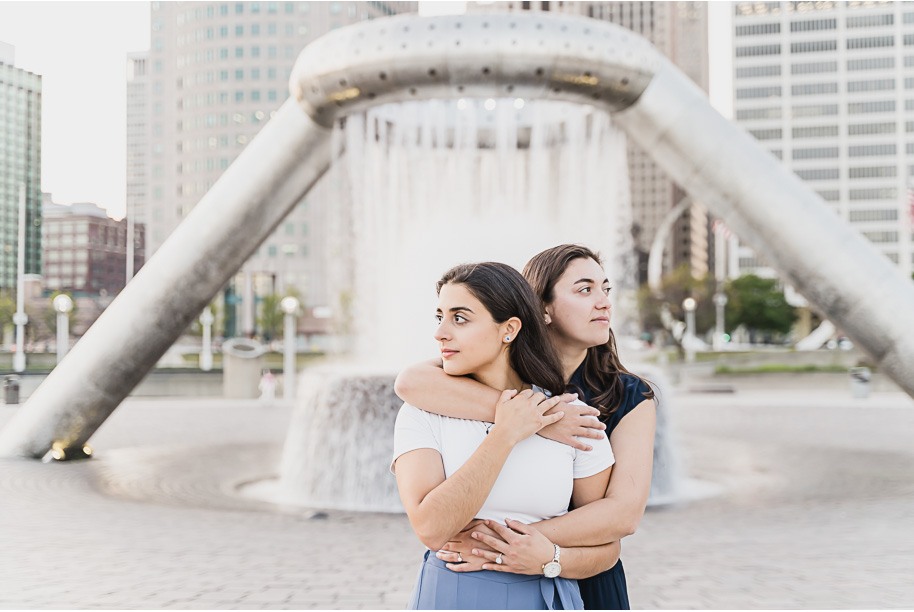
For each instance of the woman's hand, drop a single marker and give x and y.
(458, 553)
(520, 415)
(579, 421)
(524, 550)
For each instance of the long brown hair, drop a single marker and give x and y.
(602, 369)
(505, 294)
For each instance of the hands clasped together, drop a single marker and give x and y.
(521, 548)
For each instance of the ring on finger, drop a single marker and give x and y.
(498, 558)
(459, 558)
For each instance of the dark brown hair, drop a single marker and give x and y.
(602, 368)
(505, 294)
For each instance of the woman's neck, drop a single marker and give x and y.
(571, 356)
(501, 378)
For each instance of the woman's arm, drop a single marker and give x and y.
(527, 552)
(438, 507)
(619, 512)
(427, 386)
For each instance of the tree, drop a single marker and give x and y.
(271, 316)
(674, 288)
(7, 309)
(759, 305)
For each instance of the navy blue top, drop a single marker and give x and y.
(608, 590)
(633, 395)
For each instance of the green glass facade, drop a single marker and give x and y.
(20, 164)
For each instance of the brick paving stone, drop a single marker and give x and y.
(814, 489)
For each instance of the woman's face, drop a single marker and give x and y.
(469, 339)
(579, 314)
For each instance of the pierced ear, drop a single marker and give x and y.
(547, 318)
(510, 329)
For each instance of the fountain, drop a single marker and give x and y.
(427, 185)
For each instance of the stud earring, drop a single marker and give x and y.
(507, 338)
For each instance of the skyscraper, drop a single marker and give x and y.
(828, 88)
(20, 165)
(216, 73)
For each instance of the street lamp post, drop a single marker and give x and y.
(63, 304)
(290, 306)
(688, 340)
(20, 319)
(720, 300)
(206, 354)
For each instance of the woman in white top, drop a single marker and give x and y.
(450, 471)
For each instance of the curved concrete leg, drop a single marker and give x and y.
(241, 210)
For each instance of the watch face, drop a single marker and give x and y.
(552, 569)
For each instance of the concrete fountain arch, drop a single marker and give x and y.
(487, 55)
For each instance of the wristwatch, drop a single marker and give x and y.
(553, 568)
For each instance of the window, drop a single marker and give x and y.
(759, 113)
(239, 96)
(829, 195)
(881, 193)
(255, 29)
(873, 63)
(239, 30)
(239, 52)
(758, 50)
(884, 214)
(239, 8)
(271, 73)
(255, 51)
(871, 42)
(813, 25)
(870, 21)
(272, 250)
(772, 134)
(871, 85)
(255, 96)
(271, 29)
(819, 131)
(816, 153)
(271, 95)
(239, 75)
(813, 46)
(758, 71)
(860, 129)
(757, 29)
(871, 150)
(814, 110)
(813, 67)
(290, 229)
(886, 106)
(814, 89)
(873, 172)
(335, 8)
(255, 73)
(819, 174)
(881, 236)
(758, 92)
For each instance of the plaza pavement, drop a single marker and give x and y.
(813, 509)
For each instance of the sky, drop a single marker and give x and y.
(80, 50)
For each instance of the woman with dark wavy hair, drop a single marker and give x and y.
(452, 471)
(574, 293)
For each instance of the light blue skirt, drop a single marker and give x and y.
(438, 588)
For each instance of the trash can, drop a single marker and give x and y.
(11, 390)
(242, 365)
(860, 381)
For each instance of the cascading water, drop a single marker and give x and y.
(424, 186)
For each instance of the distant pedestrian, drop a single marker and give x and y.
(267, 387)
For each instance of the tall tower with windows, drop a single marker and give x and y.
(828, 88)
(20, 166)
(217, 71)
